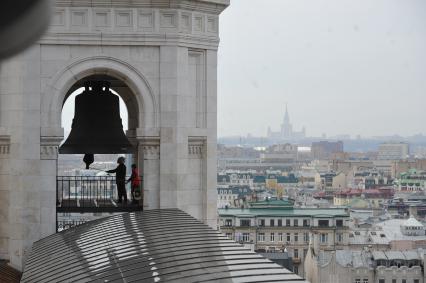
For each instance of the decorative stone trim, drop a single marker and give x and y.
(207, 6)
(131, 20)
(150, 147)
(4, 146)
(196, 147)
(49, 147)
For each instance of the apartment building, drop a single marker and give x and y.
(269, 228)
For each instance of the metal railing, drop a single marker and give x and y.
(90, 194)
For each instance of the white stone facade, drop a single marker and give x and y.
(165, 55)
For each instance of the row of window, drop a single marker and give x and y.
(281, 237)
(393, 281)
(230, 197)
(279, 223)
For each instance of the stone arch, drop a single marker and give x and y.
(58, 88)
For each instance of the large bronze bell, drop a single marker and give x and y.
(96, 127)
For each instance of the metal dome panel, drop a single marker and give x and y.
(165, 245)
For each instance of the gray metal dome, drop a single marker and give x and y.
(165, 245)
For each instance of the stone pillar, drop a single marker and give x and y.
(4, 196)
(48, 172)
(149, 165)
(20, 113)
(173, 143)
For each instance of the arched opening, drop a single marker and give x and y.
(93, 191)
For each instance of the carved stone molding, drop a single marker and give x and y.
(133, 20)
(150, 147)
(49, 147)
(196, 147)
(4, 146)
(208, 6)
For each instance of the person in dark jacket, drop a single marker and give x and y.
(120, 179)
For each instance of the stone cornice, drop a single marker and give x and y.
(136, 39)
(208, 6)
(133, 26)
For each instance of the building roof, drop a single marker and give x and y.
(8, 274)
(277, 212)
(392, 229)
(276, 203)
(412, 222)
(392, 255)
(164, 245)
(379, 255)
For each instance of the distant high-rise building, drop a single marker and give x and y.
(393, 151)
(286, 131)
(325, 149)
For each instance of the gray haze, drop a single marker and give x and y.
(343, 66)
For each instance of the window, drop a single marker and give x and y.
(246, 237)
(287, 222)
(306, 237)
(288, 237)
(245, 222)
(305, 251)
(393, 280)
(280, 237)
(403, 281)
(261, 222)
(324, 238)
(280, 222)
(229, 235)
(416, 281)
(261, 237)
(381, 280)
(272, 222)
(339, 223)
(272, 237)
(365, 280)
(295, 222)
(323, 223)
(357, 280)
(296, 237)
(305, 222)
(228, 222)
(296, 253)
(339, 237)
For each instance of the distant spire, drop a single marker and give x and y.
(286, 116)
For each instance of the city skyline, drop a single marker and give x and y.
(343, 67)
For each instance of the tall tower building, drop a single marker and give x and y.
(161, 58)
(286, 127)
(286, 131)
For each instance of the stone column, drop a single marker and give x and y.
(48, 172)
(211, 142)
(4, 196)
(148, 158)
(173, 141)
(20, 90)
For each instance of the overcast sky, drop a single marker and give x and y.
(343, 66)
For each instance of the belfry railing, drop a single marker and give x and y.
(95, 194)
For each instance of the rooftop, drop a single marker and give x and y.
(278, 212)
(392, 229)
